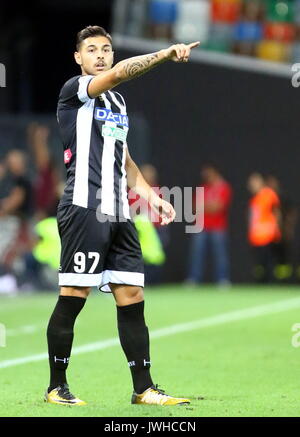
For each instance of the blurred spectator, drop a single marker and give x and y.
(47, 178)
(4, 186)
(283, 248)
(8, 231)
(15, 209)
(217, 199)
(19, 202)
(263, 226)
(42, 262)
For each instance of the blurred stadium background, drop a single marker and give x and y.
(226, 107)
(233, 105)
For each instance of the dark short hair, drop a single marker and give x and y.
(89, 31)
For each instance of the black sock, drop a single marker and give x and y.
(134, 338)
(60, 337)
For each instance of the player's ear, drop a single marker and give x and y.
(77, 57)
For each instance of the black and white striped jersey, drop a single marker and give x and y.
(94, 134)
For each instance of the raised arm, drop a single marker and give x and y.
(133, 67)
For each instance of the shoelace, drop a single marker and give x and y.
(156, 394)
(64, 392)
(159, 390)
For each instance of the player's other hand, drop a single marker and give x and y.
(165, 210)
(180, 52)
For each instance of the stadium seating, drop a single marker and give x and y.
(162, 16)
(267, 29)
(193, 21)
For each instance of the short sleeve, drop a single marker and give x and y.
(74, 92)
(82, 92)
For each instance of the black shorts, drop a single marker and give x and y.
(95, 253)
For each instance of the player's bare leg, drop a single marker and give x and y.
(75, 291)
(134, 338)
(60, 338)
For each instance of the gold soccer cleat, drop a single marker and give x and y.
(156, 396)
(61, 395)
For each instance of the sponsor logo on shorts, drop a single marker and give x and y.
(114, 132)
(105, 114)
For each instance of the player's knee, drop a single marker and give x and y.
(134, 293)
(75, 291)
(127, 294)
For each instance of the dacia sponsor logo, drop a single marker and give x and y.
(105, 114)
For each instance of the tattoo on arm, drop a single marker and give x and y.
(137, 66)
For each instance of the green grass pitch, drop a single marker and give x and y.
(230, 352)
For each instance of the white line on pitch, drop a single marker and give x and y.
(232, 316)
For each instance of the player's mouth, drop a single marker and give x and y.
(100, 66)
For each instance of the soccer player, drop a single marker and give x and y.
(99, 242)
